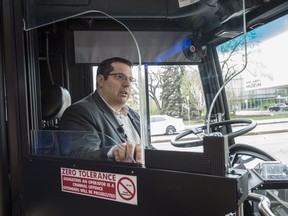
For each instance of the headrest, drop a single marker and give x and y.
(54, 99)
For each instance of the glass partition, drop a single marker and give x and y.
(88, 145)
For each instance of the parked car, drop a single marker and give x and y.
(164, 124)
(279, 107)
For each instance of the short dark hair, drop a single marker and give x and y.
(105, 67)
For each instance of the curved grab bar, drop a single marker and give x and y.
(264, 204)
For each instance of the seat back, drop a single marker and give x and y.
(54, 99)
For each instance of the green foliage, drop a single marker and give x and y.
(193, 93)
(153, 109)
(171, 96)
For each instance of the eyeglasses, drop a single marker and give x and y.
(122, 77)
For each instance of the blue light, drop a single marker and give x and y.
(177, 48)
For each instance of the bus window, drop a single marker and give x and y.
(174, 91)
(260, 91)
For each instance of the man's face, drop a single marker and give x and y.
(117, 87)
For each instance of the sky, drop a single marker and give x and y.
(267, 60)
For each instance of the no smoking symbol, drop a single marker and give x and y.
(126, 188)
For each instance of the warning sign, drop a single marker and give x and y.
(111, 186)
(126, 188)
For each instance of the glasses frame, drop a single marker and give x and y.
(122, 77)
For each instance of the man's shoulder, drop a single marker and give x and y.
(82, 104)
(86, 100)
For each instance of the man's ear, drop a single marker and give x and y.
(100, 79)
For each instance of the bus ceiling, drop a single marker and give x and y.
(206, 16)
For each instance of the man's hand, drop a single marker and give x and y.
(128, 152)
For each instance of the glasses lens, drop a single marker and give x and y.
(123, 77)
(131, 79)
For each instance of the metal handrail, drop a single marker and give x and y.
(264, 204)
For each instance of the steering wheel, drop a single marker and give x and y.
(199, 131)
(237, 150)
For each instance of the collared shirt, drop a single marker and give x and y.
(129, 129)
(124, 121)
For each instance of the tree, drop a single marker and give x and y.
(171, 97)
(192, 90)
(233, 52)
(154, 86)
(232, 55)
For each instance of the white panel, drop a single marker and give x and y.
(155, 47)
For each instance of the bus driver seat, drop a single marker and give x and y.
(54, 99)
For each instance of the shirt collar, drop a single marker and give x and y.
(123, 110)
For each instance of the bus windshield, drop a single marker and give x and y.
(260, 90)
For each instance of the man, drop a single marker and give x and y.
(116, 126)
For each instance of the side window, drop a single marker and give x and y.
(259, 91)
(176, 102)
(175, 91)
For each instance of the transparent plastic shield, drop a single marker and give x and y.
(89, 145)
(142, 110)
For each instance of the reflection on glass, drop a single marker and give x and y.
(257, 92)
(73, 144)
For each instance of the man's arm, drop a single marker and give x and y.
(83, 141)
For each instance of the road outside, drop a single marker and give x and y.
(269, 135)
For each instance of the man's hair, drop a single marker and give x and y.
(105, 67)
